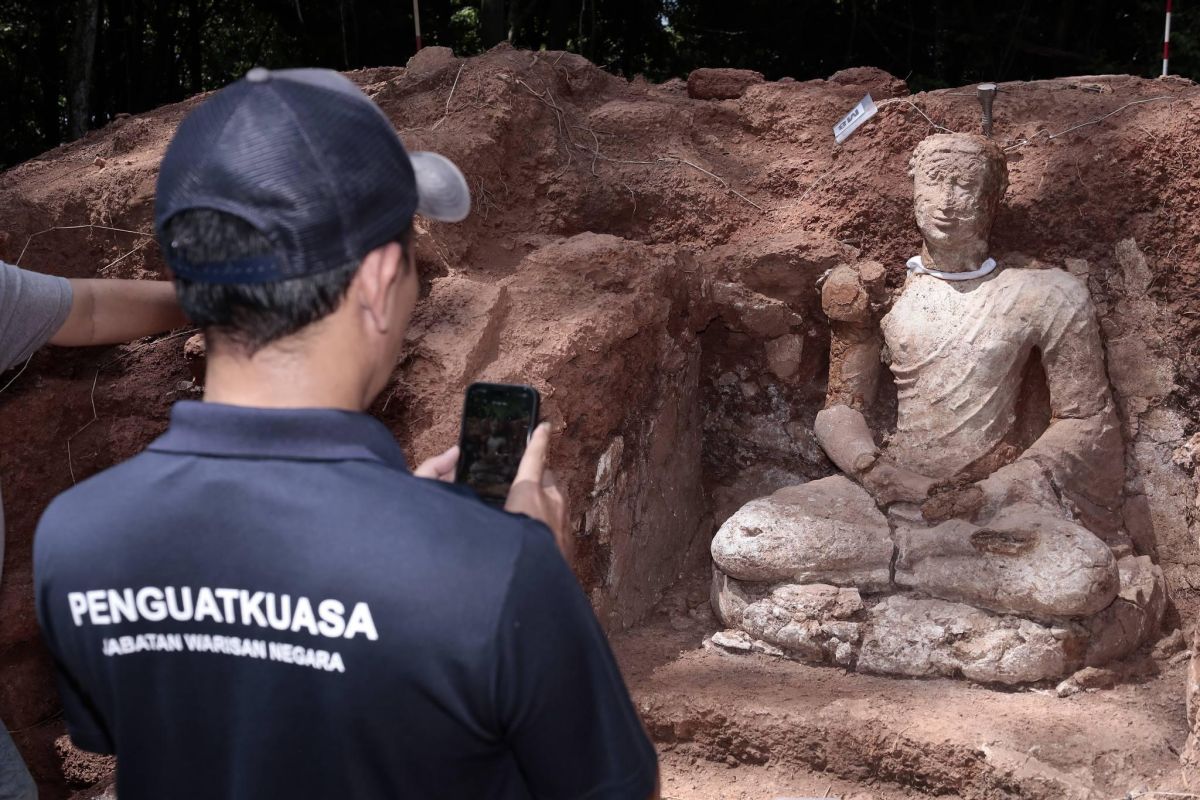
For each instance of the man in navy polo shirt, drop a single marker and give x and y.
(266, 603)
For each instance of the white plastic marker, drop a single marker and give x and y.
(1167, 39)
(857, 116)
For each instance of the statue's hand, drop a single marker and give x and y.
(888, 483)
(953, 499)
(1023, 481)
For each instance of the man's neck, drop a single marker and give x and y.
(276, 377)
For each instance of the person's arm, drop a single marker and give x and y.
(560, 702)
(113, 311)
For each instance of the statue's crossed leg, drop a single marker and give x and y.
(1026, 597)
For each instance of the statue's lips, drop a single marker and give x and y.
(950, 226)
(950, 220)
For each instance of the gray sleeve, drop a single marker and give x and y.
(33, 307)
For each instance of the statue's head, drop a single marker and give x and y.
(958, 181)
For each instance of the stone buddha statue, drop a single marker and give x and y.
(981, 537)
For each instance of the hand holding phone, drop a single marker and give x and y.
(535, 493)
(440, 467)
(497, 421)
(502, 456)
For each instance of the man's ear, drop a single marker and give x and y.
(375, 281)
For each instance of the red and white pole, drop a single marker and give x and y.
(1167, 39)
(417, 23)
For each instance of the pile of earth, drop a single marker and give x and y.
(647, 256)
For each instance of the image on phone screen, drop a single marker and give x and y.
(497, 419)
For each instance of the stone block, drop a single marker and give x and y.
(1136, 371)
(721, 84)
(879, 83)
(749, 312)
(783, 355)
(1191, 693)
(431, 59)
(1133, 617)
(922, 637)
(734, 641)
(817, 623)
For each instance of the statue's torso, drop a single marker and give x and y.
(958, 351)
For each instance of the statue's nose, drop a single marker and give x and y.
(956, 199)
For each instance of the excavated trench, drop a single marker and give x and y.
(649, 258)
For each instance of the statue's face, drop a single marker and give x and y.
(953, 201)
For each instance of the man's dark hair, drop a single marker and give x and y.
(252, 315)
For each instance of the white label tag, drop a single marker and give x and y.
(857, 116)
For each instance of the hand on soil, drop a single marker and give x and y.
(535, 494)
(440, 467)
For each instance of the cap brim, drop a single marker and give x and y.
(441, 188)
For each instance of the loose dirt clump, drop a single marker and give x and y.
(650, 261)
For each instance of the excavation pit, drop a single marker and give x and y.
(651, 262)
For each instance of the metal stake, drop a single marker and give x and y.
(987, 94)
(417, 23)
(1167, 39)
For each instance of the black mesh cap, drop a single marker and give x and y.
(307, 159)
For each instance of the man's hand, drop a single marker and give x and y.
(535, 494)
(440, 467)
(888, 483)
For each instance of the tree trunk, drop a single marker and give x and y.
(135, 73)
(493, 18)
(560, 24)
(51, 69)
(166, 66)
(518, 12)
(83, 51)
(194, 48)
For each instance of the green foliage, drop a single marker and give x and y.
(150, 52)
(465, 31)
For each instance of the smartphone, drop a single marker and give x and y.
(497, 421)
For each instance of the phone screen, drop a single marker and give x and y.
(497, 419)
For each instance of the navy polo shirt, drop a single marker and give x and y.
(266, 603)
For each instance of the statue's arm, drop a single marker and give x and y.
(851, 297)
(854, 348)
(1080, 453)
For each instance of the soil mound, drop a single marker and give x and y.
(648, 260)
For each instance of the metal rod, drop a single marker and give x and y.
(417, 23)
(1167, 39)
(987, 95)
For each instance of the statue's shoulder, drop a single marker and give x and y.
(1051, 284)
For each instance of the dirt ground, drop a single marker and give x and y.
(649, 260)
